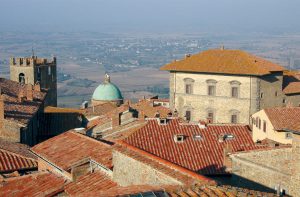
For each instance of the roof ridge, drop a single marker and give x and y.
(89, 138)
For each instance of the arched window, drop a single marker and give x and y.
(188, 85)
(235, 89)
(211, 87)
(22, 78)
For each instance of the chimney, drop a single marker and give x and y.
(1, 110)
(21, 94)
(175, 114)
(37, 87)
(202, 124)
(295, 163)
(222, 47)
(141, 115)
(226, 156)
(157, 114)
(187, 55)
(29, 92)
(115, 120)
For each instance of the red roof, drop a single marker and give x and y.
(70, 147)
(92, 182)
(203, 155)
(40, 184)
(10, 161)
(284, 117)
(292, 88)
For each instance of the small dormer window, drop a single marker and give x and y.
(228, 137)
(197, 137)
(179, 138)
(163, 121)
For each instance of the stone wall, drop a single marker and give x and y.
(10, 131)
(269, 168)
(128, 171)
(293, 99)
(271, 88)
(295, 165)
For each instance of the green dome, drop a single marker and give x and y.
(107, 92)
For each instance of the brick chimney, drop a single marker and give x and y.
(115, 120)
(295, 166)
(29, 92)
(226, 156)
(1, 110)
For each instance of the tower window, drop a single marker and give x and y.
(264, 126)
(22, 78)
(189, 83)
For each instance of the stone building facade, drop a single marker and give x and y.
(225, 86)
(35, 70)
(276, 169)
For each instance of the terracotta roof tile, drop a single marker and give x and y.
(90, 183)
(40, 184)
(147, 107)
(292, 88)
(10, 161)
(185, 176)
(204, 155)
(50, 109)
(66, 149)
(224, 61)
(284, 117)
(14, 109)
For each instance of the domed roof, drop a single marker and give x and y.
(107, 91)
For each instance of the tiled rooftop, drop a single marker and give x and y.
(202, 154)
(150, 110)
(284, 118)
(39, 184)
(70, 147)
(183, 175)
(17, 148)
(99, 110)
(292, 88)
(14, 109)
(224, 61)
(90, 183)
(10, 162)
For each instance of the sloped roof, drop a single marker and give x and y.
(292, 88)
(284, 118)
(149, 109)
(204, 156)
(10, 162)
(15, 110)
(225, 62)
(39, 184)
(70, 147)
(92, 182)
(18, 148)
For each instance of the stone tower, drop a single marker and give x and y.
(34, 70)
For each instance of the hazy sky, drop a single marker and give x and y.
(151, 15)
